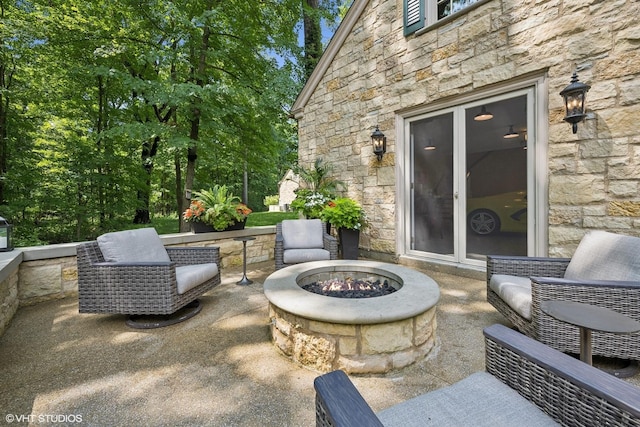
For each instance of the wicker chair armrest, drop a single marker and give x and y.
(526, 266)
(194, 255)
(329, 242)
(122, 264)
(571, 284)
(571, 392)
(340, 404)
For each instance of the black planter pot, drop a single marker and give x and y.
(198, 227)
(349, 241)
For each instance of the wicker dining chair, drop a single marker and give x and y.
(133, 273)
(303, 240)
(604, 271)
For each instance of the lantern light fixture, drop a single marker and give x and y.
(483, 115)
(379, 142)
(6, 237)
(574, 101)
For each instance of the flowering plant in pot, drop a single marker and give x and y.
(348, 217)
(309, 203)
(218, 208)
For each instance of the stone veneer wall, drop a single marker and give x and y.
(378, 72)
(50, 272)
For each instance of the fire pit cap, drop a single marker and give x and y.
(417, 294)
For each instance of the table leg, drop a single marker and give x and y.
(585, 346)
(244, 280)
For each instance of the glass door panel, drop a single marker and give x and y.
(431, 144)
(496, 179)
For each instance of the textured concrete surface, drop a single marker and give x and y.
(216, 369)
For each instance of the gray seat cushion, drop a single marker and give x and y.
(190, 276)
(515, 291)
(605, 256)
(296, 256)
(478, 400)
(302, 234)
(141, 245)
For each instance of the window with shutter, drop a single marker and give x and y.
(421, 13)
(413, 16)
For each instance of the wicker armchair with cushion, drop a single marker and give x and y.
(303, 240)
(604, 271)
(131, 272)
(525, 384)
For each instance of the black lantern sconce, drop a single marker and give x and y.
(6, 238)
(379, 142)
(574, 101)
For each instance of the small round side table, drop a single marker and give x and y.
(244, 240)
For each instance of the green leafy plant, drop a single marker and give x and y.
(271, 200)
(309, 203)
(317, 188)
(344, 212)
(216, 207)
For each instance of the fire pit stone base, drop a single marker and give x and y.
(373, 348)
(325, 343)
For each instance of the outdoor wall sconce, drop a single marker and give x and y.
(574, 96)
(379, 142)
(6, 238)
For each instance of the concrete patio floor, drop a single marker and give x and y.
(216, 369)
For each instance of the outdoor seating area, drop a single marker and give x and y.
(604, 272)
(525, 383)
(218, 368)
(131, 272)
(303, 240)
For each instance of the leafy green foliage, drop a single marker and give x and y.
(112, 108)
(344, 213)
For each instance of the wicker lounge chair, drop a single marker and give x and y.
(131, 272)
(526, 383)
(604, 271)
(303, 240)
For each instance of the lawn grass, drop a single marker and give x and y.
(257, 219)
(169, 224)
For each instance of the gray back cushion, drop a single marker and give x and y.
(302, 233)
(605, 256)
(141, 245)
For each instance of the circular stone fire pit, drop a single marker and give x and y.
(357, 335)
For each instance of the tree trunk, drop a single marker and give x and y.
(198, 71)
(149, 150)
(312, 36)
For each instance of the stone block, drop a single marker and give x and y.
(39, 280)
(378, 364)
(283, 342)
(387, 337)
(347, 345)
(624, 208)
(315, 352)
(332, 328)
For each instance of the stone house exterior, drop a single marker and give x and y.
(422, 73)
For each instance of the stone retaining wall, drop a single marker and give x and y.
(33, 275)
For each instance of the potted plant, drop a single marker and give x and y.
(348, 217)
(271, 202)
(317, 188)
(216, 209)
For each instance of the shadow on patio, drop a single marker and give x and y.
(218, 368)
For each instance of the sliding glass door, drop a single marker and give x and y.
(471, 178)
